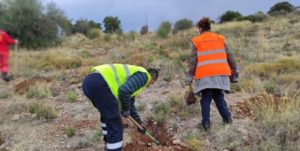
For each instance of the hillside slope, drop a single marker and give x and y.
(44, 108)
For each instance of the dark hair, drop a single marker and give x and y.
(154, 72)
(204, 23)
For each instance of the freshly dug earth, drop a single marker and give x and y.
(246, 109)
(24, 86)
(144, 143)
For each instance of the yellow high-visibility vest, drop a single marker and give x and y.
(116, 75)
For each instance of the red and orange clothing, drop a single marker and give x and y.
(5, 41)
(211, 63)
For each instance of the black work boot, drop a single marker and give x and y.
(5, 77)
(204, 126)
(227, 121)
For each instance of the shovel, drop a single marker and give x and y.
(141, 127)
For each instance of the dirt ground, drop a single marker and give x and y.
(144, 143)
(21, 128)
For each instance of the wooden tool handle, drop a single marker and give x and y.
(141, 127)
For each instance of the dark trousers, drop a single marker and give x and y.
(97, 90)
(218, 96)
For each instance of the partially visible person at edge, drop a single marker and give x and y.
(112, 89)
(212, 66)
(5, 41)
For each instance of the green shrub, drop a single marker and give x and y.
(83, 143)
(93, 33)
(131, 35)
(270, 87)
(144, 30)
(69, 131)
(230, 16)
(38, 27)
(87, 27)
(43, 111)
(66, 62)
(72, 96)
(183, 24)
(177, 103)
(175, 127)
(107, 37)
(193, 142)
(98, 135)
(161, 111)
(39, 90)
(278, 122)
(4, 94)
(164, 29)
(112, 24)
(257, 17)
(141, 107)
(281, 7)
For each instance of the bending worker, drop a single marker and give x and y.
(112, 89)
(5, 41)
(211, 65)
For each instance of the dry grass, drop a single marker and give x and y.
(267, 54)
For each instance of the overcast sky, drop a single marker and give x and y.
(132, 12)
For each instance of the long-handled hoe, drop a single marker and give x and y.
(140, 127)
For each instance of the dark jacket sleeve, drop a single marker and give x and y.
(231, 60)
(133, 111)
(134, 83)
(193, 61)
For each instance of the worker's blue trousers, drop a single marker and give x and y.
(218, 96)
(97, 90)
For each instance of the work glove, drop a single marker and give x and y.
(234, 76)
(125, 113)
(142, 131)
(189, 80)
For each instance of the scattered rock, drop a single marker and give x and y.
(16, 117)
(34, 116)
(68, 146)
(176, 142)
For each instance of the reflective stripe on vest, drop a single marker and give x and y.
(203, 53)
(211, 55)
(203, 63)
(116, 75)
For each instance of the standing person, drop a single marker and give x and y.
(112, 89)
(5, 41)
(211, 65)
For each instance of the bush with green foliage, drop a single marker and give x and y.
(87, 27)
(26, 20)
(144, 30)
(164, 29)
(257, 17)
(161, 111)
(230, 16)
(183, 24)
(43, 111)
(72, 96)
(70, 131)
(56, 14)
(280, 8)
(93, 33)
(112, 24)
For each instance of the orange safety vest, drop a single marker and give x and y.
(211, 55)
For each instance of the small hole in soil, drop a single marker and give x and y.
(144, 143)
